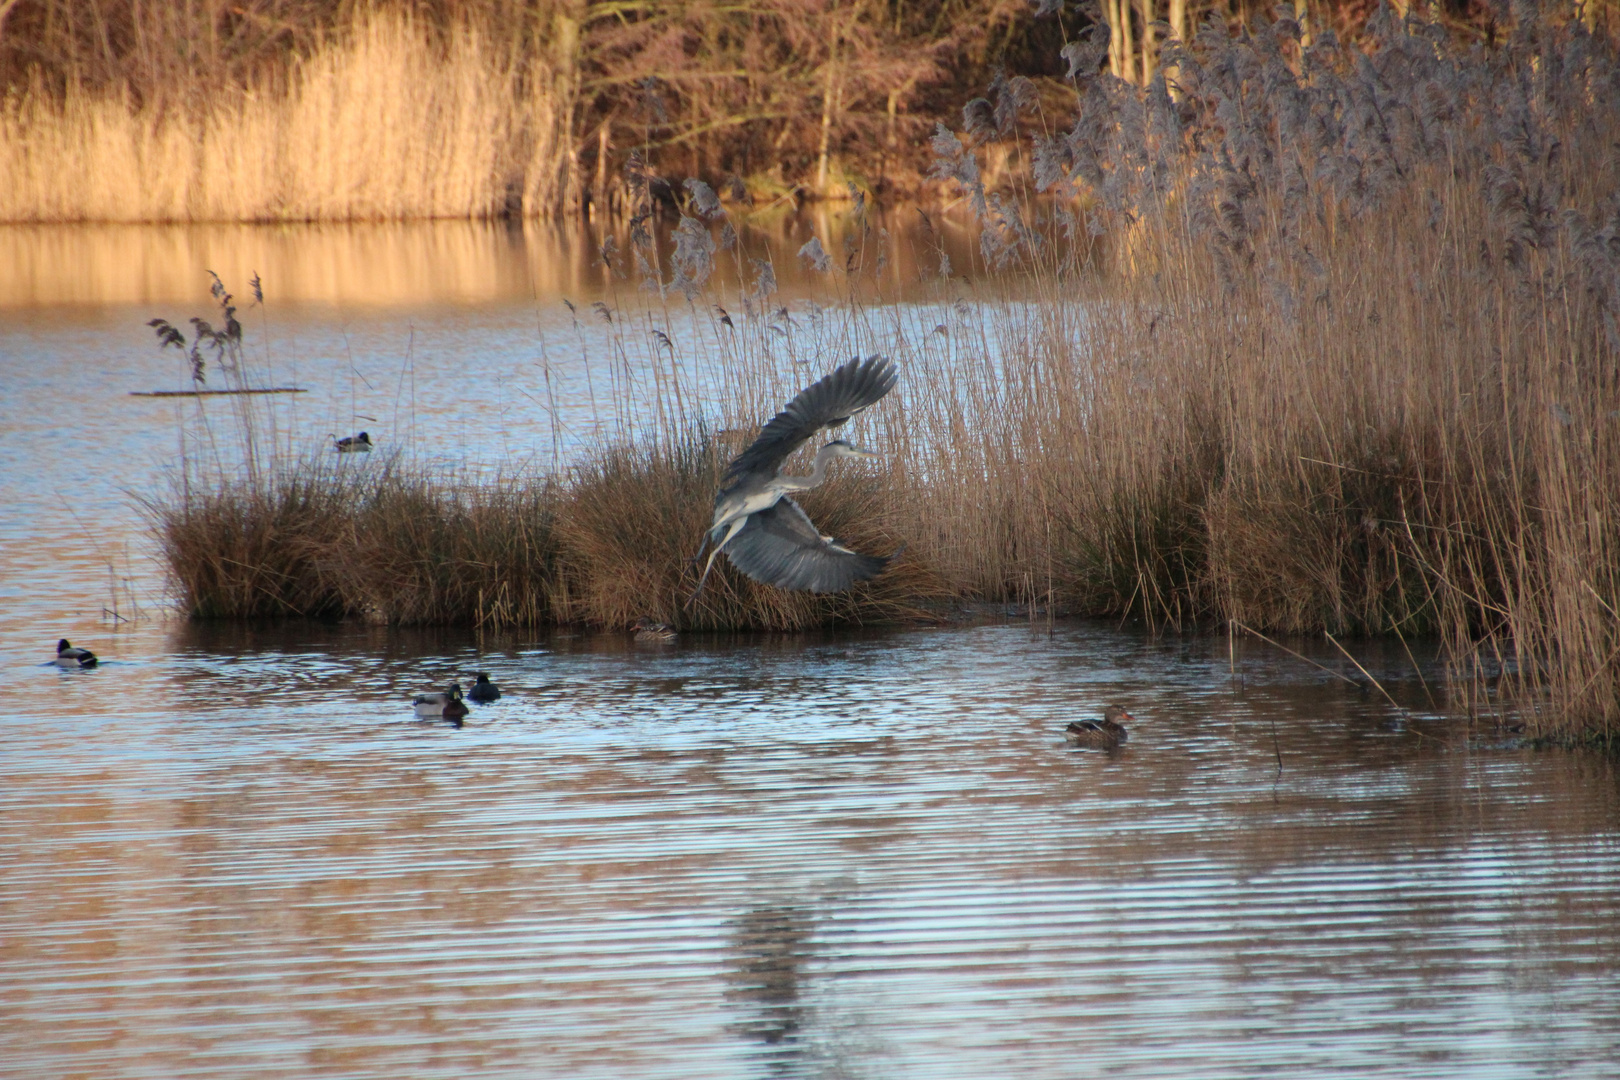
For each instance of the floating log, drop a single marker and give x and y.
(207, 393)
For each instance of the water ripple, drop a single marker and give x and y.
(790, 857)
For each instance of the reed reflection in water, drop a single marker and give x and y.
(428, 263)
(234, 852)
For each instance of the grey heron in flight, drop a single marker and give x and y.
(760, 528)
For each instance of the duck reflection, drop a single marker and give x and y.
(769, 947)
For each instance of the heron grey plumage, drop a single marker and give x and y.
(761, 529)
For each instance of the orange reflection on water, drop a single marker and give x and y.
(442, 262)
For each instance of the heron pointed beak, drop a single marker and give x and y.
(867, 455)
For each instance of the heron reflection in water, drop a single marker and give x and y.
(768, 949)
(760, 528)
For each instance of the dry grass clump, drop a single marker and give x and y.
(611, 544)
(253, 549)
(423, 550)
(635, 515)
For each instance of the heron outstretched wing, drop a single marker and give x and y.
(780, 546)
(829, 402)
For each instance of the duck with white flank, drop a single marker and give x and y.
(68, 656)
(483, 691)
(354, 444)
(446, 704)
(1106, 733)
(764, 532)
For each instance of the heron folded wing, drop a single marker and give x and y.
(832, 400)
(781, 547)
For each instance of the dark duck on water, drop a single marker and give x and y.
(68, 656)
(483, 691)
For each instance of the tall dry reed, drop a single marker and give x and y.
(1355, 365)
(387, 119)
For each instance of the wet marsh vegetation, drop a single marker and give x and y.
(1304, 339)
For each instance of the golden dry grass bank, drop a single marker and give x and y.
(386, 120)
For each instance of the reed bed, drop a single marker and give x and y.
(1355, 366)
(387, 119)
(278, 110)
(1309, 340)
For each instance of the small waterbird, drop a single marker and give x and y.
(68, 656)
(1106, 733)
(354, 444)
(760, 528)
(647, 630)
(483, 691)
(446, 704)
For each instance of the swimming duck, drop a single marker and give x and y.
(1107, 732)
(447, 704)
(68, 656)
(354, 444)
(647, 630)
(483, 691)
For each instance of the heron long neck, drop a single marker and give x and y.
(817, 474)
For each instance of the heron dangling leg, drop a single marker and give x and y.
(735, 528)
(694, 560)
(697, 592)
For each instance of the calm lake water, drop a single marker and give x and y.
(231, 851)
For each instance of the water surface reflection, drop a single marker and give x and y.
(437, 263)
(236, 851)
(770, 946)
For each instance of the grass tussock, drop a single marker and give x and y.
(635, 515)
(424, 551)
(611, 544)
(257, 550)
